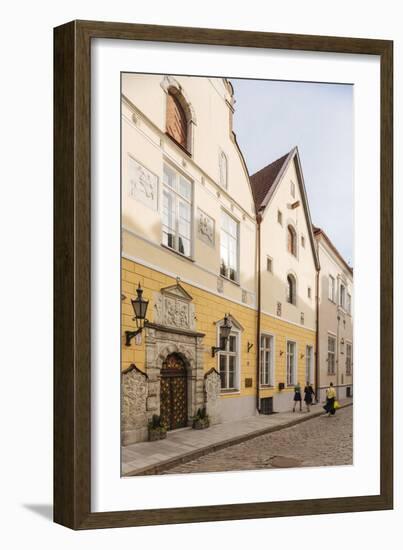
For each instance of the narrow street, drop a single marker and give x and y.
(322, 441)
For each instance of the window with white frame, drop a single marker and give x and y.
(331, 354)
(348, 359)
(177, 211)
(223, 167)
(229, 361)
(266, 360)
(348, 303)
(291, 363)
(342, 296)
(229, 247)
(291, 289)
(331, 288)
(309, 364)
(291, 240)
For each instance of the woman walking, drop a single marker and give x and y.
(330, 399)
(297, 396)
(308, 396)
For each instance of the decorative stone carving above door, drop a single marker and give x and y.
(173, 308)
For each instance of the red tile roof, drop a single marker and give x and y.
(263, 180)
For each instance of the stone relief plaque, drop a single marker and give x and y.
(205, 228)
(173, 308)
(143, 184)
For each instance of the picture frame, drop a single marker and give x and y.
(72, 274)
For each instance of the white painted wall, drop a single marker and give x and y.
(274, 244)
(143, 138)
(334, 320)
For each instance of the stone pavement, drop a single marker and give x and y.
(187, 444)
(321, 441)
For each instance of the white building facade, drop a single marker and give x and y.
(335, 320)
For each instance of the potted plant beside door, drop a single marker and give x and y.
(156, 429)
(201, 420)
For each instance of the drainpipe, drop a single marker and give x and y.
(258, 222)
(317, 375)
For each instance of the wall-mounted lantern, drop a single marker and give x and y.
(225, 330)
(140, 310)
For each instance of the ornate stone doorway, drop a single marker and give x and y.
(173, 398)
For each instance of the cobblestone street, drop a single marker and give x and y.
(322, 441)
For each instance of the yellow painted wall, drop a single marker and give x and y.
(283, 331)
(209, 309)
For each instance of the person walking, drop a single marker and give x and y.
(330, 400)
(297, 396)
(308, 396)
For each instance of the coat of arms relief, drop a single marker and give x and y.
(173, 308)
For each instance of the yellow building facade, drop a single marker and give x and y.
(198, 242)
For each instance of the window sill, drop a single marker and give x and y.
(230, 392)
(266, 386)
(229, 280)
(181, 147)
(188, 258)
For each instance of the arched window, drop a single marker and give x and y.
(291, 289)
(176, 120)
(223, 165)
(291, 240)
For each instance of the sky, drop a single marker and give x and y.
(272, 117)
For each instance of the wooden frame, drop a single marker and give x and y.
(72, 269)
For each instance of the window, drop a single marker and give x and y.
(292, 190)
(229, 247)
(349, 303)
(331, 288)
(309, 292)
(223, 167)
(331, 350)
(176, 120)
(302, 241)
(308, 364)
(291, 289)
(342, 296)
(266, 360)
(269, 264)
(348, 359)
(280, 217)
(291, 240)
(229, 362)
(291, 363)
(176, 211)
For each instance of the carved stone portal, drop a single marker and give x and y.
(212, 382)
